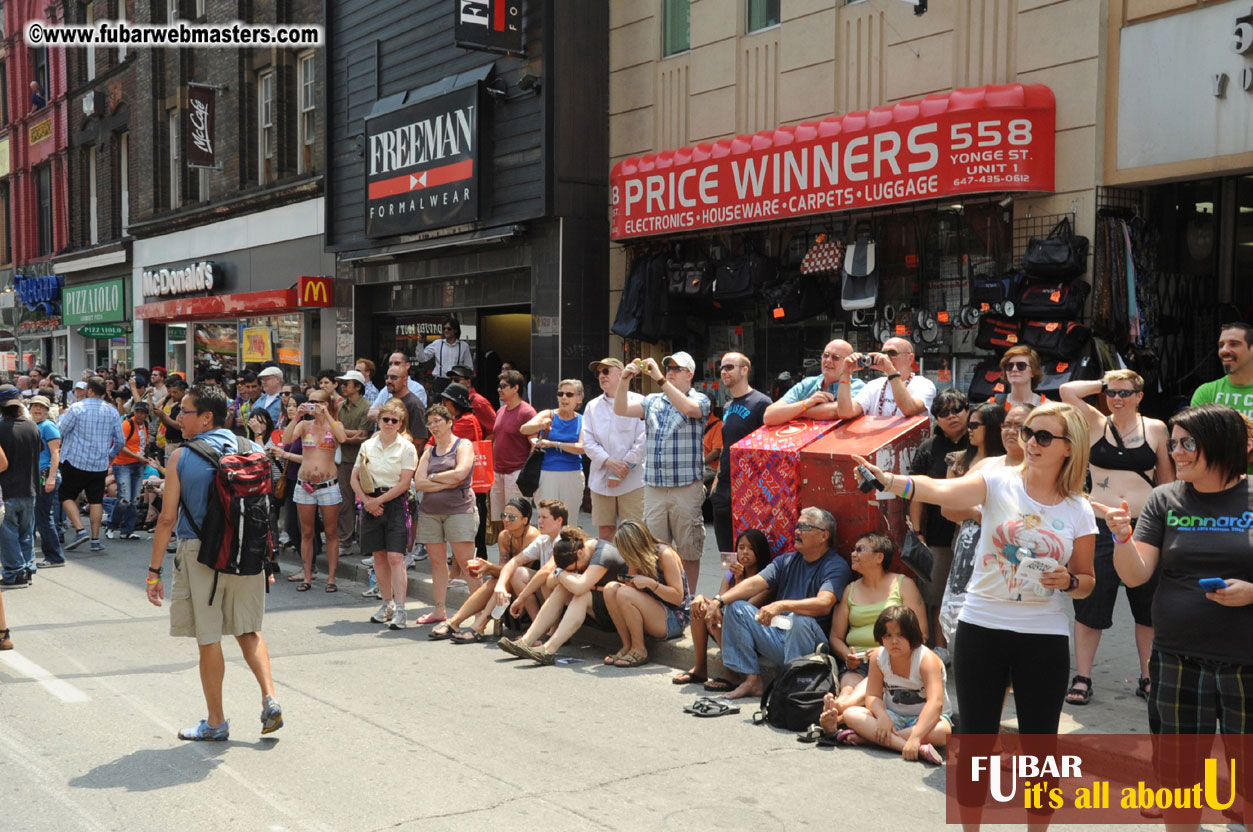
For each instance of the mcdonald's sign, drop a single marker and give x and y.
(315, 291)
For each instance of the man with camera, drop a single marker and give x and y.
(814, 397)
(899, 392)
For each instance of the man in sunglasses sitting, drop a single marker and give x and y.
(615, 445)
(807, 584)
(899, 392)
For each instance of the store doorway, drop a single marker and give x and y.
(505, 337)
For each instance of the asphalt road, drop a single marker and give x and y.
(385, 730)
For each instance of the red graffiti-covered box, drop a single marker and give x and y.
(765, 479)
(827, 479)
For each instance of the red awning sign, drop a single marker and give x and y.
(986, 139)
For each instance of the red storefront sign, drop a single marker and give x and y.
(991, 138)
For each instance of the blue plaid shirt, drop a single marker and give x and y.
(91, 435)
(675, 443)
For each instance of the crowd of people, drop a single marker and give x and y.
(1029, 506)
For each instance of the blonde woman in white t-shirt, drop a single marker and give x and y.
(1035, 554)
(380, 479)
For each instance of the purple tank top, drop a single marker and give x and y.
(458, 500)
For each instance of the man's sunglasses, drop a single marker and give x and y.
(805, 527)
(943, 414)
(1188, 443)
(1042, 437)
(1119, 394)
(726, 368)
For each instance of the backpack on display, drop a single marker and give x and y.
(235, 538)
(1052, 301)
(997, 333)
(1056, 339)
(793, 701)
(744, 276)
(630, 316)
(860, 287)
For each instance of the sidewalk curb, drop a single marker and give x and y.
(677, 653)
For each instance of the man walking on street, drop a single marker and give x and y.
(49, 482)
(615, 445)
(19, 482)
(91, 433)
(203, 604)
(674, 423)
(740, 417)
(352, 413)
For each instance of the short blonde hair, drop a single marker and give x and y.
(1074, 470)
(396, 408)
(1137, 381)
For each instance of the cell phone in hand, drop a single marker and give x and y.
(1212, 584)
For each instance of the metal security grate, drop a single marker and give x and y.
(1027, 227)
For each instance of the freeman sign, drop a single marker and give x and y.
(197, 278)
(94, 303)
(423, 163)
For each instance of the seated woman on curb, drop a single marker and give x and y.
(581, 570)
(854, 622)
(517, 534)
(653, 601)
(752, 553)
(907, 705)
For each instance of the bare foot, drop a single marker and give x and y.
(747, 688)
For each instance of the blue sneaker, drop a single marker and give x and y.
(271, 716)
(206, 732)
(80, 537)
(97, 546)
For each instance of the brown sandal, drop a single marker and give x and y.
(304, 586)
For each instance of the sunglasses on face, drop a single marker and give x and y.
(973, 425)
(863, 550)
(503, 386)
(1042, 437)
(1017, 365)
(805, 527)
(830, 356)
(890, 353)
(944, 414)
(565, 395)
(389, 420)
(1119, 394)
(506, 516)
(673, 368)
(726, 368)
(604, 371)
(1187, 443)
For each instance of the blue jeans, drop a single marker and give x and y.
(17, 537)
(130, 486)
(46, 524)
(745, 642)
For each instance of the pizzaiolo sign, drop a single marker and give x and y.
(422, 164)
(164, 282)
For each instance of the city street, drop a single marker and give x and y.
(386, 730)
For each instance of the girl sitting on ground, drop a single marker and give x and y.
(752, 553)
(652, 600)
(907, 705)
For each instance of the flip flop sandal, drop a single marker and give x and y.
(467, 637)
(332, 588)
(441, 633)
(706, 707)
(719, 685)
(690, 709)
(431, 618)
(1077, 696)
(814, 734)
(928, 754)
(304, 586)
(848, 737)
(296, 577)
(689, 678)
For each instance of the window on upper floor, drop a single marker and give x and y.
(199, 9)
(89, 54)
(43, 208)
(39, 73)
(307, 122)
(176, 159)
(762, 14)
(4, 93)
(121, 16)
(6, 226)
(676, 27)
(171, 11)
(93, 221)
(267, 138)
(123, 210)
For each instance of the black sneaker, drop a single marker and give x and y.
(16, 582)
(49, 564)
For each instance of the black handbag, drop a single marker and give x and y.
(987, 381)
(1052, 301)
(528, 477)
(1056, 339)
(1059, 256)
(917, 556)
(997, 333)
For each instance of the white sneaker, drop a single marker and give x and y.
(457, 582)
(372, 592)
(368, 561)
(398, 619)
(384, 613)
(284, 539)
(108, 533)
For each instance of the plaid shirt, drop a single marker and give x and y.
(675, 446)
(91, 434)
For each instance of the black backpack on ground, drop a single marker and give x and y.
(793, 700)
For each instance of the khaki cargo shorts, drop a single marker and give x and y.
(238, 604)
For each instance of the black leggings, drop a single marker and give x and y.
(987, 661)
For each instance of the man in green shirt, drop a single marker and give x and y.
(352, 413)
(1235, 388)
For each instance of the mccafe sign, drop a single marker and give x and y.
(199, 277)
(422, 164)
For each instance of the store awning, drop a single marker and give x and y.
(984, 139)
(309, 292)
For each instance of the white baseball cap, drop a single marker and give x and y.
(352, 375)
(682, 359)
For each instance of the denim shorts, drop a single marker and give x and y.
(328, 496)
(675, 624)
(900, 722)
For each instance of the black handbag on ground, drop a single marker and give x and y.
(1058, 256)
(528, 477)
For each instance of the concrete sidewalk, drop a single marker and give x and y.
(1113, 709)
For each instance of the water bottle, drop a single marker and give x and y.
(374, 583)
(499, 610)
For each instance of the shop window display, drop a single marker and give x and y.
(217, 348)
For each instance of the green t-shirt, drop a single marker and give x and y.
(1222, 391)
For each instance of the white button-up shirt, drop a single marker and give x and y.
(609, 436)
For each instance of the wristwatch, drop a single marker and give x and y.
(556, 571)
(718, 598)
(1074, 583)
